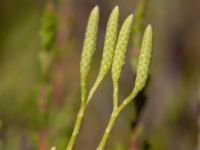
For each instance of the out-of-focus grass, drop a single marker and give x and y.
(18, 74)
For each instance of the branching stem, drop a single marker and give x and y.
(114, 115)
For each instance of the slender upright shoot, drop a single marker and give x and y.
(118, 62)
(89, 47)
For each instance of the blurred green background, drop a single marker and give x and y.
(168, 108)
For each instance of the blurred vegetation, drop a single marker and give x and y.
(170, 114)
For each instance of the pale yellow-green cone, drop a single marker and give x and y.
(89, 46)
(110, 41)
(144, 60)
(108, 50)
(121, 48)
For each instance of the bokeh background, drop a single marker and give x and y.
(167, 110)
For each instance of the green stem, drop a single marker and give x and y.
(93, 89)
(77, 126)
(108, 130)
(128, 100)
(113, 118)
(115, 95)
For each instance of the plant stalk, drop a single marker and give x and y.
(114, 115)
(77, 126)
(108, 130)
(115, 95)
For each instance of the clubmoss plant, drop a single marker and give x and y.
(136, 40)
(114, 54)
(119, 57)
(141, 78)
(89, 47)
